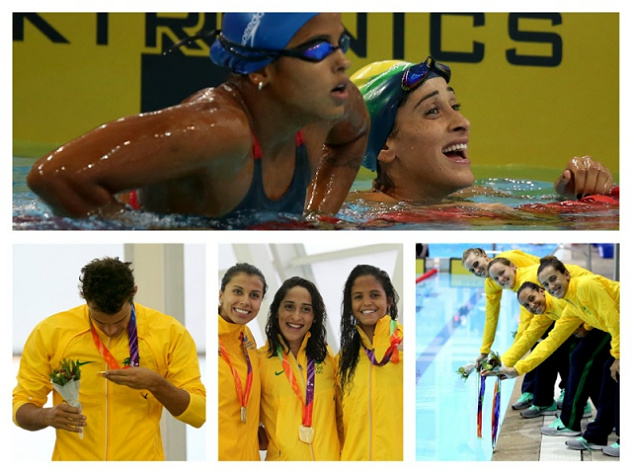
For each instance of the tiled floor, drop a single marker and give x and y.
(520, 440)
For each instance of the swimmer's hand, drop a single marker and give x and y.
(503, 373)
(583, 176)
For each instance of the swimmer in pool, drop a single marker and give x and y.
(419, 138)
(285, 133)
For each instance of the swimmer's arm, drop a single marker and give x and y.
(583, 176)
(340, 159)
(83, 176)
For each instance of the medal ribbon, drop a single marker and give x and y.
(495, 412)
(479, 414)
(308, 402)
(132, 336)
(243, 397)
(396, 339)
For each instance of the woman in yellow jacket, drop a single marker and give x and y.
(298, 378)
(592, 301)
(242, 289)
(370, 368)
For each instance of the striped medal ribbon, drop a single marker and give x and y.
(132, 336)
(241, 395)
(306, 430)
(396, 339)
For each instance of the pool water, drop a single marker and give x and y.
(526, 205)
(450, 317)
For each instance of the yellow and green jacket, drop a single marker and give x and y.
(372, 403)
(282, 410)
(237, 441)
(592, 300)
(122, 423)
(537, 327)
(494, 292)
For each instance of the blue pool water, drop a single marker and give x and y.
(450, 319)
(525, 206)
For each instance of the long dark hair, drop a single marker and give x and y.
(349, 336)
(316, 347)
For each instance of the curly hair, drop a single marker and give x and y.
(349, 336)
(107, 283)
(316, 347)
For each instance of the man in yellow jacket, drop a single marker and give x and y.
(134, 361)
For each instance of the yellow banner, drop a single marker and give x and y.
(537, 88)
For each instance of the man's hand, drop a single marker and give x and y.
(139, 378)
(64, 417)
(583, 176)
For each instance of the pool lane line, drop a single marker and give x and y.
(428, 355)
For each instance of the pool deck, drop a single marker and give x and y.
(520, 439)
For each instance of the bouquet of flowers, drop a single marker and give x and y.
(492, 363)
(65, 380)
(466, 370)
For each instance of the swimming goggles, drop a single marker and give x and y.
(313, 51)
(416, 75)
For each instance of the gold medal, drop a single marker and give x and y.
(306, 434)
(243, 414)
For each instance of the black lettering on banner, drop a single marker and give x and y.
(555, 40)
(154, 23)
(399, 31)
(103, 20)
(38, 22)
(436, 48)
(358, 43)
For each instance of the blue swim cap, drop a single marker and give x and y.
(267, 31)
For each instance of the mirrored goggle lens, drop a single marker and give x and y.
(322, 49)
(414, 76)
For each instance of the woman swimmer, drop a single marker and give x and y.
(289, 101)
(370, 367)
(242, 289)
(419, 138)
(298, 408)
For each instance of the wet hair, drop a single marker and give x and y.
(245, 268)
(107, 284)
(349, 337)
(476, 251)
(316, 347)
(551, 261)
(496, 260)
(528, 284)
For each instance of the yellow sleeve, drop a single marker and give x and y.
(525, 320)
(564, 328)
(537, 327)
(493, 294)
(607, 310)
(184, 373)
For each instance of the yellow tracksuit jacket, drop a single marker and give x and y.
(537, 327)
(591, 300)
(530, 273)
(372, 404)
(237, 441)
(281, 409)
(494, 292)
(122, 423)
